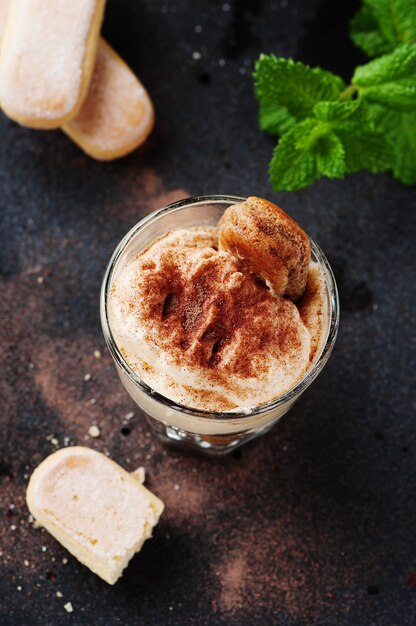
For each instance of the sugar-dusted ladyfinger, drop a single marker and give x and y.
(117, 114)
(47, 58)
(4, 11)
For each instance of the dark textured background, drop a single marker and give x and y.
(315, 523)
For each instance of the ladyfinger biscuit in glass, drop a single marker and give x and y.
(47, 59)
(117, 114)
(269, 242)
(94, 508)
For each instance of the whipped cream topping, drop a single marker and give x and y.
(195, 325)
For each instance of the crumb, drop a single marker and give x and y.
(44, 548)
(19, 588)
(30, 518)
(11, 507)
(31, 366)
(129, 416)
(177, 487)
(196, 55)
(54, 441)
(26, 563)
(59, 594)
(97, 354)
(40, 279)
(94, 431)
(64, 561)
(13, 527)
(92, 400)
(87, 377)
(68, 607)
(139, 474)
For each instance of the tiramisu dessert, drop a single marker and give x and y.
(226, 318)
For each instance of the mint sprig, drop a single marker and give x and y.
(329, 129)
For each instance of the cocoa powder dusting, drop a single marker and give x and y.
(202, 315)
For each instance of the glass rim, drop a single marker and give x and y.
(233, 414)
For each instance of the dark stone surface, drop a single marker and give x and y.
(314, 523)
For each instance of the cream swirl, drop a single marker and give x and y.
(199, 328)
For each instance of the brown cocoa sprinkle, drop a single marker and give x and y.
(215, 308)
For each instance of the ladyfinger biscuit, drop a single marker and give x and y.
(117, 114)
(94, 508)
(47, 59)
(270, 243)
(4, 10)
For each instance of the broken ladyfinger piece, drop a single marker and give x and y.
(94, 508)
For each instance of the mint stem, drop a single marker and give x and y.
(348, 93)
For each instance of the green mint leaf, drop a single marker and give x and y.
(381, 25)
(288, 91)
(338, 111)
(399, 128)
(365, 150)
(396, 19)
(355, 125)
(366, 34)
(306, 152)
(390, 79)
(274, 120)
(330, 156)
(403, 142)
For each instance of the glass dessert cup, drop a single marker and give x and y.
(214, 433)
